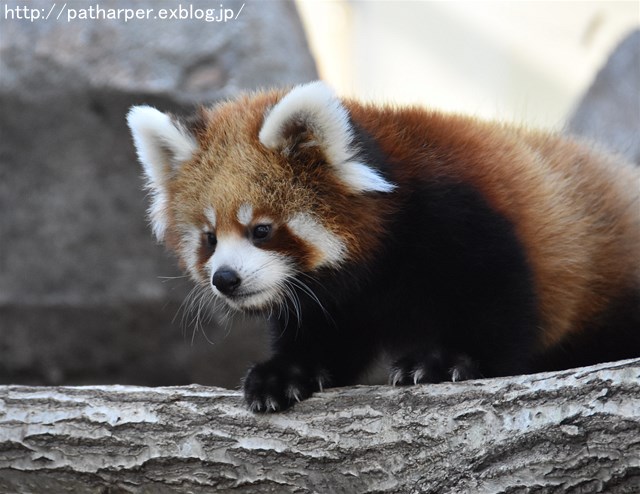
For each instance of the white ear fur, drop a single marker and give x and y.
(162, 144)
(319, 108)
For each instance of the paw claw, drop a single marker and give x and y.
(293, 393)
(464, 369)
(455, 375)
(418, 375)
(271, 404)
(395, 376)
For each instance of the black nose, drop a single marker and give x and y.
(226, 280)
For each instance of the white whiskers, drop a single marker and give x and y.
(196, 310)
(282, 300)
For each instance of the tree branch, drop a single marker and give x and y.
(569, 431)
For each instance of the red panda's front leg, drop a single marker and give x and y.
(280, 382)
(294, 372)
(306, 359)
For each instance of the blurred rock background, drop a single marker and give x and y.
(609, 112)
(86, 296)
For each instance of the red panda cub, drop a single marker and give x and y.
(461, 249)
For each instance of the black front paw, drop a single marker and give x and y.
(276, 385)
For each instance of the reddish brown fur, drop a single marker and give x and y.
(532, 179)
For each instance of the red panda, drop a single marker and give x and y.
(459, 248)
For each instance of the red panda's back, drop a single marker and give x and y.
(575, 210)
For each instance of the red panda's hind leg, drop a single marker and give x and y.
(432, 366)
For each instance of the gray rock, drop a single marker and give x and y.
(81, 299)
(609, 113)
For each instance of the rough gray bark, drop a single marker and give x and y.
(570, 431)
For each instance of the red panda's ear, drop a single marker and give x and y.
(316, 109)
(162, 144)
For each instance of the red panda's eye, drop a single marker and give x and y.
(261, 232)
(211, 239)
